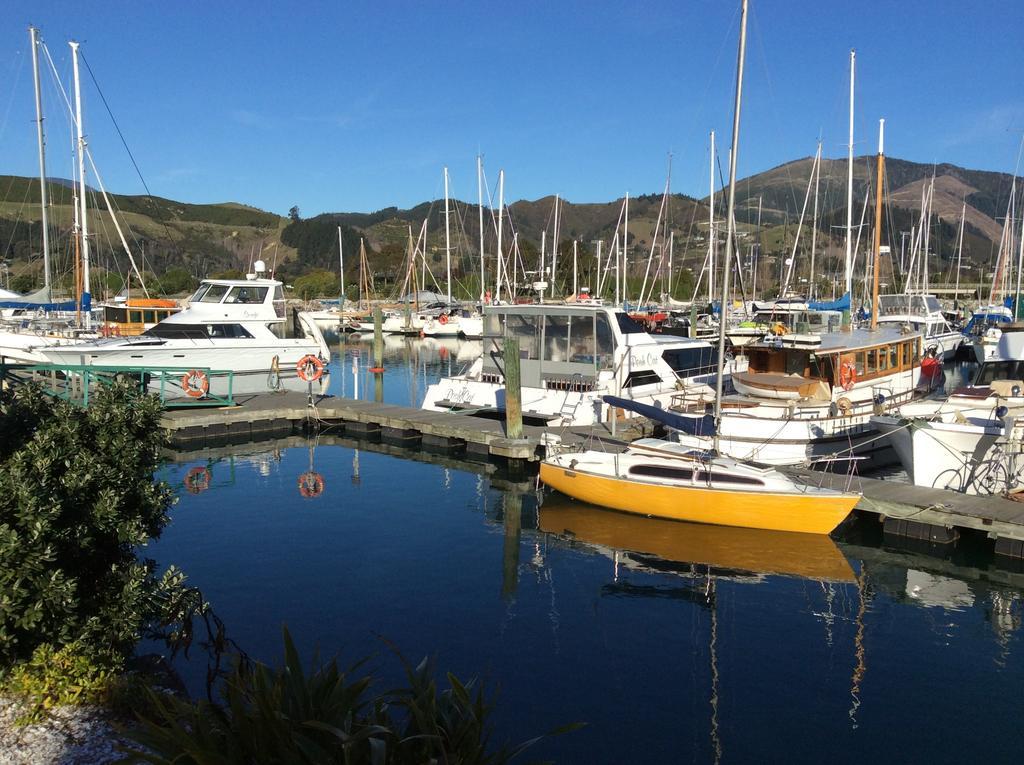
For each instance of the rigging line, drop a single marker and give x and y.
(14, 90)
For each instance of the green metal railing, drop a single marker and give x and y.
(76, 382)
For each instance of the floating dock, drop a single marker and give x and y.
(931, 518)
(279, 414)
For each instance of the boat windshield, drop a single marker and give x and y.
(213, 294)
(992, 371)
(247, 295)
(628, 326)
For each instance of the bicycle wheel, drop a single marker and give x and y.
(951, 479)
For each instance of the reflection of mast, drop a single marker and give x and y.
(858, 642)
(716, 741)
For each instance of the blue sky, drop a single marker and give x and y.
(358, 105)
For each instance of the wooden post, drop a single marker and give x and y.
(378, 341)
(513, 397)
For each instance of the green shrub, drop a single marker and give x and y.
(58, 677)
(325, 716)
(77, 496)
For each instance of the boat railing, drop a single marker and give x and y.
(177, 387)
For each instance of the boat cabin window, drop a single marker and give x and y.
(227, 330)
(213, 294)
(524, 327)
(628, 326)
(198, 295)
(178, 331)
(992, 371)
(605, 343)
(690, 362)
(569, 338)
(149, 317)
(135, 317)
(279, 305)
(247, 295)
(119, 315)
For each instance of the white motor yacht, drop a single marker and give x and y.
(571, 356)
(922, 313)
(229, 325)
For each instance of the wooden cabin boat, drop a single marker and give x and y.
(796, 404)
(135, 316)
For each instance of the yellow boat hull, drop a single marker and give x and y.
(805, 513)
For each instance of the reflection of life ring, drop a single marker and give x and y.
(195, 383)
(197, 480)
(848, 375)
(310, 368)
(311, 484)
(442, 319)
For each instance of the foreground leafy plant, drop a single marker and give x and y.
(325, 716)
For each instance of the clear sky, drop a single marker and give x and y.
(357, 105)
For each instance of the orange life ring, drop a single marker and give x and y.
(197, 480)
(115, 330)
(311, 484)
(442, 319)
(848, 375)
(195, 383)
(310, 368)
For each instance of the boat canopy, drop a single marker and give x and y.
(842, 304)
(42, 300)
(703, 425)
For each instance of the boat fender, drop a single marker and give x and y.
(195, 383)
(309, 368)
(848, 375)
(311, 484)
(778, 328)
(844, 405)
(442, 319)
(879, 403)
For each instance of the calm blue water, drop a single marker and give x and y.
(674, 644)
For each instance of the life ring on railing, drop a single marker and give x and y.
(442, 319)
(197, 480)
(309, 368)
(195, 383)
(778, 328)
(311, 484)
(848, 375)
(115, 330)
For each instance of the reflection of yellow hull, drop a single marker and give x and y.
(809, 513)
(812, 556)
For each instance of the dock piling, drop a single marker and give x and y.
(513, 394)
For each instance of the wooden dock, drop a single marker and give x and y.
(279, 414)
(928, 516)
(934, 516)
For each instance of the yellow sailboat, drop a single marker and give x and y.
(668, 480)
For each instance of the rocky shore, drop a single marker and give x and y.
(70, 736)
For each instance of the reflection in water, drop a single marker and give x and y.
(694, 636)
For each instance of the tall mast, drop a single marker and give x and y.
(84, 221)
(479, 205)
(554, 250)
(733, 157)
(34, 35)
(341, 269)
(711, 222)
(543, 244)
(849, 185)
(447, 240)
(960, 252)
(625, 253)
(878, 223)
(501, 214)
(814, 224)
(575, 255)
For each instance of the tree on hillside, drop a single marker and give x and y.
(293, 213)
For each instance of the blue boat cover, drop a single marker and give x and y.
(703, 425)
(842, 304)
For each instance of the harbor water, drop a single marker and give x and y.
(671, 642)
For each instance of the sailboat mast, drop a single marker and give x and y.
(711, 222)
(849, 185)
(814, 223)
(341, 269)
(480, 210)
(554, 250)
(625, 253)
(575, 255)
(878, 223)
(34, 36)
(501, 215)
(733, 157)
(543, 243)
(447, 239)
(960, 253)
(83, 222)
